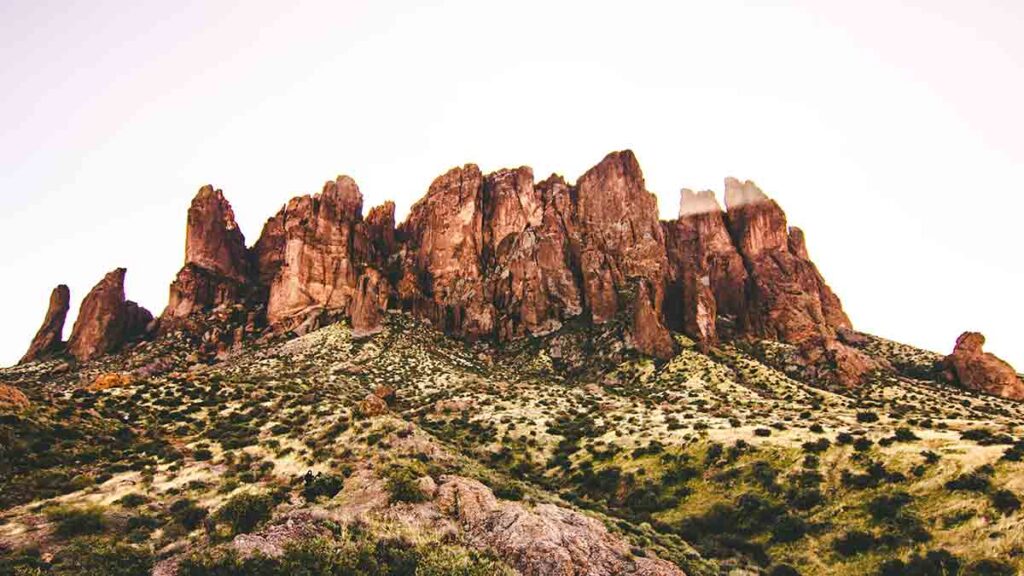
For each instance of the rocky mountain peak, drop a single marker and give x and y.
(106, 321)
(49, 340)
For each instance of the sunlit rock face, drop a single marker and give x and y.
(500, 256)
(106, 321)
(217, 268)
(973, 368)
(48, 341)
(315, 265)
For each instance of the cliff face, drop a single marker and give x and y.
(106, 321)
(49, 339)
(501, 256)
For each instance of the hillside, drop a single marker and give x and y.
(522, 378)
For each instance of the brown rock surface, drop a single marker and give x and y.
(49, 339)
(546, 540)
(213, 240)
(444, 251)
(316, 263)
(106, 320)
(621, 240)
(12, 399)
(530, 272)
(217, 263)
(369, 304)
(982, 371)
(788, 299)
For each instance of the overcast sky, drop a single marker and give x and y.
(889, 131)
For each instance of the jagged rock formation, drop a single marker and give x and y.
(369, 304)
(500, 256)
(787, 299)
(49, 340)
(217, 269)
(707, 275)
(982, 371)
(106, 321)
(317, 269)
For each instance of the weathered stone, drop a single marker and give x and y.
(982, 371)
(217, 268)
(316, 266)
(369, 304)
(442, 272)
(106, 320)
(49, 341)
(12, 399)
(621, 240)
(545, 540)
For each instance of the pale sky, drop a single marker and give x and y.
(890, 131)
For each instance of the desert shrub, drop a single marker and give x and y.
(327, 485)
(888, 506)
(245, 511)
(101, 557)
(867, 417)
(904, 434)
(1005, 501)
(788, 528)
(783, 570)
(132, 500)
(71, 522)
(401, 483)
(989, 567)
(763, 432)
(844, 438)
(817, 446)
(854, 542)
(1014, 453)
(187, 513)
(862, 444)
(970, 481)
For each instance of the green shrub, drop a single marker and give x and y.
(321, 485)
(188, 513)
(1005, 501)
(244, 512)
(71, 522)
(401, 481)
(102, 557)
(854, 542)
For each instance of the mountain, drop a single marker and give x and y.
(522, 377)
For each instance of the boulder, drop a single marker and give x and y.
(982, 371)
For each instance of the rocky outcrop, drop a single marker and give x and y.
(787, 299)
(369, 304)
(442, 276)
(500, 256)
(707, 278)
(982, 371)
(310, 244)
(546, 540)
(531, 272)
(621, 243)
(12, 399)
(106, 321)
(217, 263)
(49, 340)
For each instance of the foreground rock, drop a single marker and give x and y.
(12, 399)
(546, 540)
(49, 340)
(982, 371)
(106, 321)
